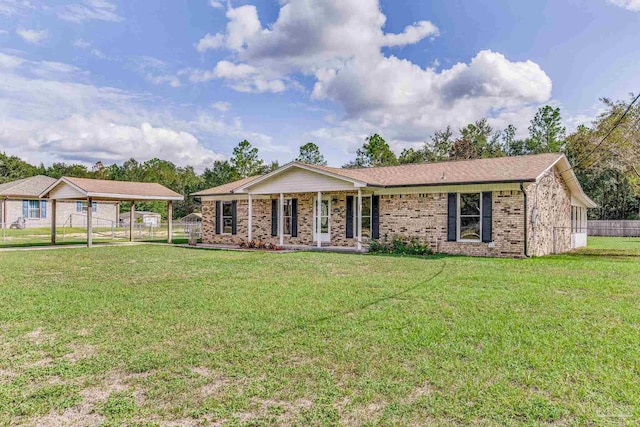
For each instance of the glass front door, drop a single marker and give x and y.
(325, 220)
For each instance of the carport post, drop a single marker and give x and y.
(53, 221)
(132, 215)
(169, 221)
(89, 222)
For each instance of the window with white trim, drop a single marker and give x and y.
(227, 217)
(367, 213)
(34, 209)
(469, 217)
(288, 216)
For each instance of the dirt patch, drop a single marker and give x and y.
(80, 351)
(7, 375)
(287, 411)
(84, 414)
(38, 336)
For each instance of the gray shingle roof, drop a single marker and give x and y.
(26, 187)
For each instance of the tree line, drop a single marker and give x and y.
(608, 168)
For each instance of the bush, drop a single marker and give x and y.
(400, 246)
(257, 244)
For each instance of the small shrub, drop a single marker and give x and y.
(257, 244)
(400, 246)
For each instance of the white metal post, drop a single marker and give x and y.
(89, 222)
(319, 220)
(281, 219)
(250, 219)
(359, 219)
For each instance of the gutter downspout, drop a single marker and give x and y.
(526, 228)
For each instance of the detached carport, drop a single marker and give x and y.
(93, 190)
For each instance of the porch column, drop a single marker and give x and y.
(53, 221)
(250, 219)
(281, 219)
(132, 215)
(4, 213)
(359, 219)
(319, 220)
(169, 221)
(89, 222)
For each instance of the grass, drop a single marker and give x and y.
(149, 335)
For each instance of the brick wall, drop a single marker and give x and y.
(424, 217)
(549, 216)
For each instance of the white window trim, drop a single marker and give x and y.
(222, 203)
(284, 219)
(355, 214)
(29, 209)
(458, 217)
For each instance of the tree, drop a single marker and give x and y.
(441, 142)
(411, 155)
(477, 140)
(12, 168)
(245, 160)
(374, 152)
(221, 173)
(511, 145)
(546, 133)
(310, 153)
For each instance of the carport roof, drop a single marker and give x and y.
(81, 188)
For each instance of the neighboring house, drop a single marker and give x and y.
(20, 200)
(150, 219)
(506, 207)
(192, 224)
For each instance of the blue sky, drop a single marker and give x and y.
(89, 80)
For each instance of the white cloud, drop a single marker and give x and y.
(411, 34)
(32, 36)
(99, 10)
(173, 81)
(632, 5)
(81, 44)
(49, 114)
(210, 42)
(216, 4)
(13, 7)
(221, 106)
(241, 77)
(339, 43)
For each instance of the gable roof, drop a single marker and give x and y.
(26, 187)
(226, 188)
(116, 190)
(526, 168)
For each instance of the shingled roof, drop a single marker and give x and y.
(116, 190)
(226, 188)
(26, 187)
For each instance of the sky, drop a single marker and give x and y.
(186, 80)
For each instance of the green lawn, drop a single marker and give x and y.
(160, 335)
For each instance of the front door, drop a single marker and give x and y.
(325, 220)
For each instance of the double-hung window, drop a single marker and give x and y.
(287, 217)
(469, 217)
(34, 209)
(366, 216)
(227, 217)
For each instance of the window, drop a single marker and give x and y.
(227, 217)
(82, 207)
(288, 216)
(367, 212)
(469, 216)
(34, 209)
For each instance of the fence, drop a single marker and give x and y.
(104, 231)
(614, 228)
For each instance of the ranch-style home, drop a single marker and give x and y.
(21, 205)
(503, 207)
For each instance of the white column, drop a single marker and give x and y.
(319, 220)
(89, 222)
(281, 219)
(53, 221)
(250, 219)
(359, 219)
(169, 221)
(132, 216)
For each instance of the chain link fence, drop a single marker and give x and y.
(17, 235)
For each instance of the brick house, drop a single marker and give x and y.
(20, 200)
(504, 207)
